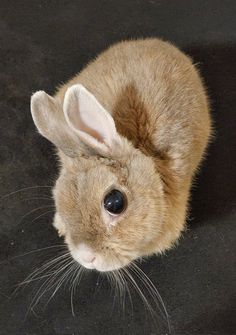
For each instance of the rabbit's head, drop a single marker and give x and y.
(109, 198)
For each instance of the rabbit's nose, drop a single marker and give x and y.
(88, 257)
(86, 254)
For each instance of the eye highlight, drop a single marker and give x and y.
(115, 202)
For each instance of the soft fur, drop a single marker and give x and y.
(135, 119)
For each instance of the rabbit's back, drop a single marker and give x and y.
(156, 97)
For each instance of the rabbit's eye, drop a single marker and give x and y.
(115, 202)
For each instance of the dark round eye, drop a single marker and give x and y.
(115, 202)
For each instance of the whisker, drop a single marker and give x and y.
(120, 288)
(41, 215)
(111, 281)
(123, 289)
(152, 291)
(34, 251)
(114, 285)
(145, 301)
(36, 277)
(147, 305)
(152, 286)
(75, 282)
(69, 268)
(46, 285)
(72, 291)
(53, 262)
(23, 189)
(38, 198)
(32, 211)
(126, 286)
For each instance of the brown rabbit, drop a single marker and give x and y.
(131, 130)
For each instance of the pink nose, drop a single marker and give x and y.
(88, 258)
(85, 253)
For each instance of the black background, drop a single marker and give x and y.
(44, 43)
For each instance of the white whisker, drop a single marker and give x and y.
(54, 262)
(75, 282)
(125, 283)
(69, 268)
(24, 189)
(41, 215)
(38, 198)
(36, 250)
(32, 211)
(122, 289)
(45, 287)
(152, 291)
(135, 285)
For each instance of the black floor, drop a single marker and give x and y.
(43, 43)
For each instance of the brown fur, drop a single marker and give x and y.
(157, 100)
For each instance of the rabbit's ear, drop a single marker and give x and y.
(89, 120)
(49, 119)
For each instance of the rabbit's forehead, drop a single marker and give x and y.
(102, 174)
(96, 176)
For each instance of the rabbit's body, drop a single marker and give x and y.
(158, 103)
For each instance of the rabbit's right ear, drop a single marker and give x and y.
(48, 117)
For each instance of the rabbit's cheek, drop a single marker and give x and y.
(59, 225)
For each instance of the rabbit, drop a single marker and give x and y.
(130, 130)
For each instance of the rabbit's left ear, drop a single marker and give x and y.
(89, 120)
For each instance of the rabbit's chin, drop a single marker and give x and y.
(94, 261)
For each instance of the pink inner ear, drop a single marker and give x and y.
(86, 116)
(79, 124)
